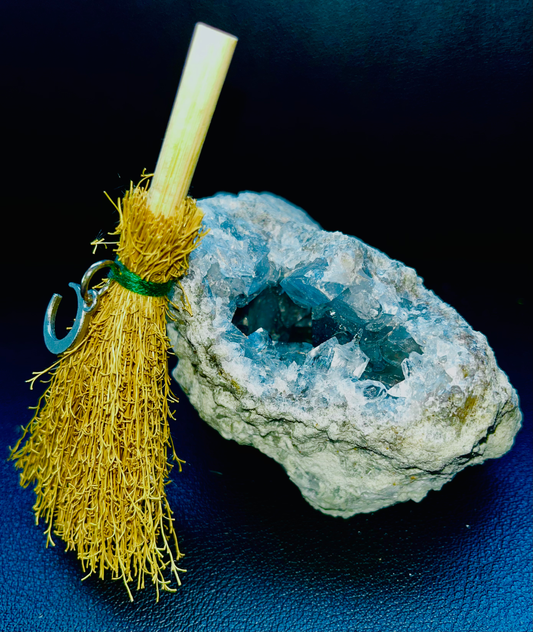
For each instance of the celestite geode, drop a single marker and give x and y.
(334, 360)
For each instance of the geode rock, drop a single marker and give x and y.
(333, 359)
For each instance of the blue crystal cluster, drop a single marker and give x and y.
(297, 302)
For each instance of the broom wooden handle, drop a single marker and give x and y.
(206, 66)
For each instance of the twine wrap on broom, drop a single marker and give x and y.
(96, 448)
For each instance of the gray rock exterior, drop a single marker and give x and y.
(333, 359)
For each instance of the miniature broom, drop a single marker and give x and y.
(96, 448)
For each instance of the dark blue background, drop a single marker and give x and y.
(406, 124)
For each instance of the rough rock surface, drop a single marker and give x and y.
(334, 360)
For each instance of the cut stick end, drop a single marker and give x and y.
(202, 25)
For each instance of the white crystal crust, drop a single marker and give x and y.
(402, 395)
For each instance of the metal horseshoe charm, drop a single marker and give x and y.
(87, 301)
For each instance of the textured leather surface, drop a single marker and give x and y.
(259, 558)
(402, 123)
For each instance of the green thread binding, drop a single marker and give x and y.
(135, 283)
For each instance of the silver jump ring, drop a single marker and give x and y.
(91, 296)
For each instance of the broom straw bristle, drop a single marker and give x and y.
(97, 445)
